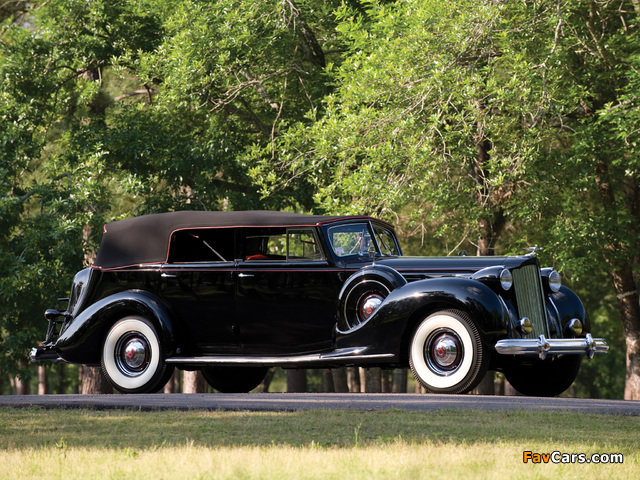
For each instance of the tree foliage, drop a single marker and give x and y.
(115, 108)
(501, 123)
(495, 125)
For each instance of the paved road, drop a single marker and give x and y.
(329, 401)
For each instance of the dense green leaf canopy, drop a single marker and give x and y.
(478, 125)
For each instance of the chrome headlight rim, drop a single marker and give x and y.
(555, 281)
(506, 279)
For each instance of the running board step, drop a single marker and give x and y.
(345, 356)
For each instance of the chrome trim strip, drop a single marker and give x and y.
(343, 356)
(542, 346)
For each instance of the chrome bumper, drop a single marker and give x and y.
(542, 347)
(44, 354)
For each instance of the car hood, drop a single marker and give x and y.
(414, 268)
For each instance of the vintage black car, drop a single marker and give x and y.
(235, 293)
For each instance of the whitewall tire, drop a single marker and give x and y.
(446, 353)
(132, 358)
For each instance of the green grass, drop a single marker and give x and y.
(74, 444)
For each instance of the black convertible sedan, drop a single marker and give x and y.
(235, 293)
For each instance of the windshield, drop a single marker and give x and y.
(351, 239)
(386, 241)
(355, 239)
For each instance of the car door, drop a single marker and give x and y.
(286, 292)
(198, 282)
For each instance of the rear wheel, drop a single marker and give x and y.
(546, 378)
(446, 353)
(234, 379)
(132, 358)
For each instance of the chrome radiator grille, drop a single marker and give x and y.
(530, 299)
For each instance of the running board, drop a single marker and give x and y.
(345, 356)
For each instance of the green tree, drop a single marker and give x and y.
(428, 114)
(588, 58)
(481, 115)
(115, 108)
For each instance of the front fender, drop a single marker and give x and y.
(568, 306)
(80, 339)
(389, 327)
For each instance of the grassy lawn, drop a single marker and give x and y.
(83, 444)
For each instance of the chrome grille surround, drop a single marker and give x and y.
(530, 299)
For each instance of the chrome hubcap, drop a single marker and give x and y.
(443, 352)
(132, 354)
(370, 305)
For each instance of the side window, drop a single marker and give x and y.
(303, 245)
(265, 244)
(278, 244)
(202, 246)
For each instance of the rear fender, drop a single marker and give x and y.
(81, 338)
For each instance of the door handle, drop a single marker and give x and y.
(168, 275)
(245, 275)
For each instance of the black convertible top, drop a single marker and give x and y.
(145, 239)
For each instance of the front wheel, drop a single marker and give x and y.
(446, 353)
(546, 378)
(132, 358)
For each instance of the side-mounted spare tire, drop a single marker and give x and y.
(364, 292)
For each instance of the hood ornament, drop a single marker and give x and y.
(533, 251)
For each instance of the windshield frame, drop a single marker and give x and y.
(351, 234)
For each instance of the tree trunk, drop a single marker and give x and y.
(266, 382)
(490, 230)
(353, 379)
(171, 386)
(43, 383)
(327, 381)
(629, 305)
(296, 381)
(492, 225)
(340, 381)
(22, 387)
(399, 380)
(94, 382)
(486, 386)
(60, 380)
(193, 382)
(370, 380)
(386, 377)
(622, 275)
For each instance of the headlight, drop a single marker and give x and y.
(555, 282)
(506, 279)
